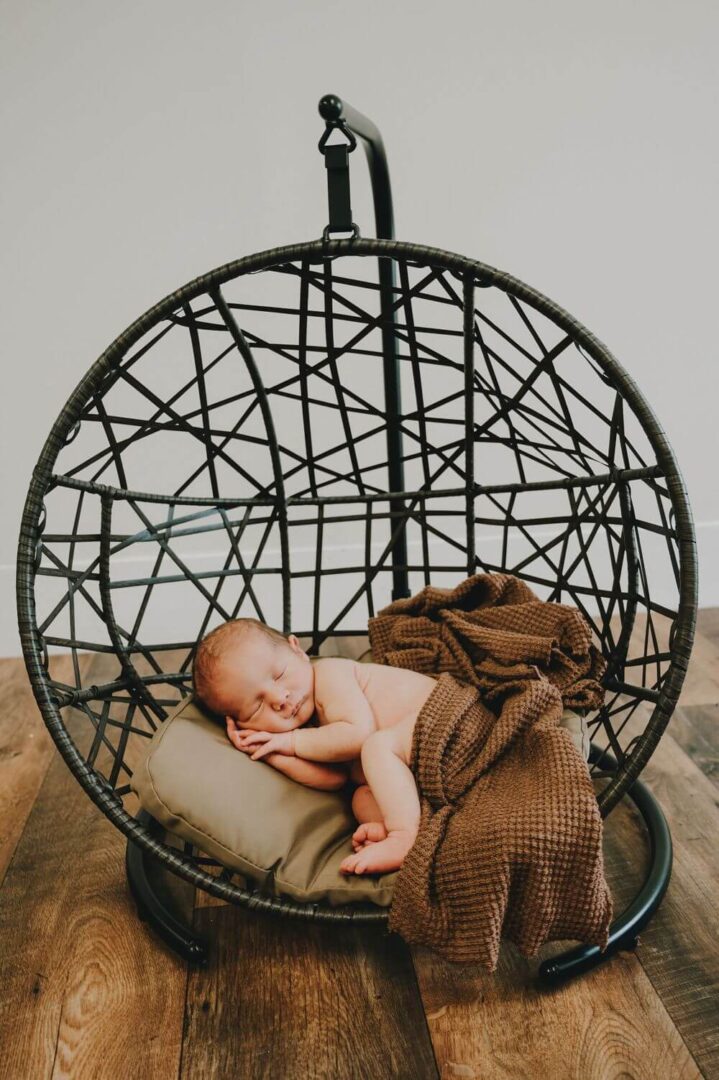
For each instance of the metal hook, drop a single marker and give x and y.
(355, 234)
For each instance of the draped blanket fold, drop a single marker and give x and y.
(510, 837)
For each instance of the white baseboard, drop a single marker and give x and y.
(172, 611)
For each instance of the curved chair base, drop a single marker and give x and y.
(623, 933)
(153, 909)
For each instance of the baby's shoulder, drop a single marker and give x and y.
(334, 666)
(334, 673)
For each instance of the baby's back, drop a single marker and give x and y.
(396, 697)
(395, 694)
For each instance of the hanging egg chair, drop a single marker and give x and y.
(304, 435)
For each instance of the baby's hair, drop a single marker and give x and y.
(215, 645)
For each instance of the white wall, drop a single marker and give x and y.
(572, 144)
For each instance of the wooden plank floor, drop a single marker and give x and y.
(87, 991)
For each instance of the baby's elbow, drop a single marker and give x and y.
(336, 782)
(334, 779)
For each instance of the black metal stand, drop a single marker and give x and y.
(623, 934)
(152, 907)
(624, 931)
(341, 115)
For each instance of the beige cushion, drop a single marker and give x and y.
(287, 838)
(576, 725)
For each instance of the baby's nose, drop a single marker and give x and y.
(281, 699)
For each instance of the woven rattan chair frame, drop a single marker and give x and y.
(604, 496)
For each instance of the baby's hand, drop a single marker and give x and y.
(279, 742)
(272, 741)
(234, 734)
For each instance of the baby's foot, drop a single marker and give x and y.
(381, 857)
(368, 833)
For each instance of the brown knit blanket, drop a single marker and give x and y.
(510, 837)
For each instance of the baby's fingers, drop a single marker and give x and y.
(256, 736)
(236, 740)
(261, 751)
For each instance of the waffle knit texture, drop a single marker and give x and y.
(510, 837)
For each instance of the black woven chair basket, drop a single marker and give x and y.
(283, 437)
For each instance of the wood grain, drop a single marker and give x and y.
(287, 998)
(679, 949)
(701, 685)
(606, 1023)
(695, 728)
(609, 1023)
(87, 991)
(708, 623)
(26, 748)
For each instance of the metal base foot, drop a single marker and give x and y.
(152, 908)
(624, 931)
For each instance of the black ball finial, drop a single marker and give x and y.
(330, 107)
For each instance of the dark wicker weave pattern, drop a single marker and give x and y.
(232, 444)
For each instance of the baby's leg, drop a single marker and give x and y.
(371, 827)
(364, 805)
(394, 788)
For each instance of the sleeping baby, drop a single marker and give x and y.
(321, 721)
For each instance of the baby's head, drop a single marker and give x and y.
(251, 672)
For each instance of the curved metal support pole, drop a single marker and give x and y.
(152, 908)
(335, 111)
(624, 931)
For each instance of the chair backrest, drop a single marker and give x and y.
(234, 451)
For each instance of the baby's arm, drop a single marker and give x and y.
(348, 716)
(310, 773)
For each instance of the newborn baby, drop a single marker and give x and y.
(320, 721)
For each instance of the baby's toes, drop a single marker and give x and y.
(347, 865)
